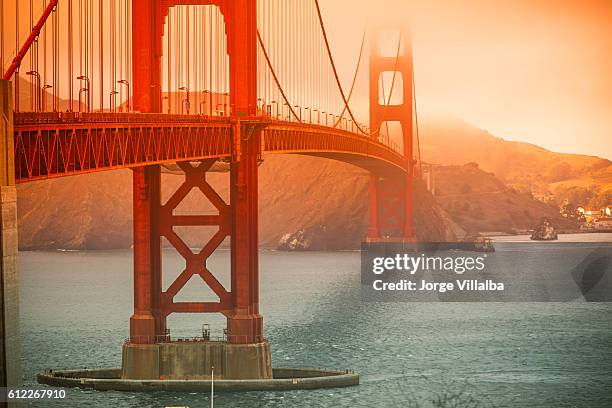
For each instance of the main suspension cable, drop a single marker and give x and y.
(280, 88)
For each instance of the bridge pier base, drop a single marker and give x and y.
(10, 368)
(195, 360)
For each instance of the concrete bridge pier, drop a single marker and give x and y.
(10, 367)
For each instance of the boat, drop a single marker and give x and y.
(544, 232)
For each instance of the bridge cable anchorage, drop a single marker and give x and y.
(354, 80)
(280, 88)
(335, 71)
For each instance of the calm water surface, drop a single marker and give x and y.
(76, 306)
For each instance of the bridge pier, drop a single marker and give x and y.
(10, 367)
(150, 353)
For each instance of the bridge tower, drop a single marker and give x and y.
(391, 200)
(149, 353)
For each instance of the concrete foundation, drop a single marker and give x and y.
(10, 368)
(284, 379)
(194, 360)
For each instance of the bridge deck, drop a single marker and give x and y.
(62, 144)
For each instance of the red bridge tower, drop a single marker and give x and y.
(149, 353)
(391, 200)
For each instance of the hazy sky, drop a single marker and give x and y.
(531, 70)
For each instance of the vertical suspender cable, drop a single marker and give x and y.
(54, 29)
(2, 36)
(101, 52)
(169, 28)
(70, 57)
(187, 51)
(44, 82)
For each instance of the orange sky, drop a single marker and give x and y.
(532, 70)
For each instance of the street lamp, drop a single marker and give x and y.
(127, 84)
(225, 103)
(325, 113)
(168, 98)
(111, 100)
(44, 92)
(318, 116)
(309, 114)
(275, 103)
(36, 100)
(263, 103)
(85, 89)
(210, 104)
(186, 100)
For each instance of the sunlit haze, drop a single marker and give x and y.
(535, 71)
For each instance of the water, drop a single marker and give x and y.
(76, 306)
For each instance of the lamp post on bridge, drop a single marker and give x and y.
(225, 104)
(186, 100)
(325, 114)
(210, 104)
(309, 114)
(36, 101)
(111, 100)
(276, 104)
(168, 99)
(263, 103)
(127, 84)
(84, 89)
(44, 98)
(318, 116)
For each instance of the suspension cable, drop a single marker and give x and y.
(280, 88)
(333, 65)
(354, 81)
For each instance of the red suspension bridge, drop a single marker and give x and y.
(140, 84)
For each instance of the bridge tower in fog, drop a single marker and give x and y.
(391, 198)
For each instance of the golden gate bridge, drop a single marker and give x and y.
(140, 84)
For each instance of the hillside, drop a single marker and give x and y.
(478, 201)
(524, 166)
(327, 199)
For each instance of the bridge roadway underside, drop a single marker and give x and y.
(49, 146)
